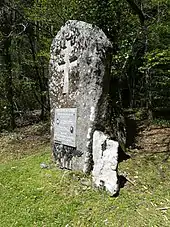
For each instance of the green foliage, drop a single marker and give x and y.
(158, 58)
(140, 66)
(161, 122)
(157, 62)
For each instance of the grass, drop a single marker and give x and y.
(32, 196)
(161, 122)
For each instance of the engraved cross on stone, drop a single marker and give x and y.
(67, 66)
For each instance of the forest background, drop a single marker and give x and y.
(140, 34)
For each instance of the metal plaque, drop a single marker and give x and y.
(65, 126)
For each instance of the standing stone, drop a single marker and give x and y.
(79, 92)
(105, 158)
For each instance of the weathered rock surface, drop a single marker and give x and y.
(80, 78)
(105, 157)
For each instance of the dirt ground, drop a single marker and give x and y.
(153, 139)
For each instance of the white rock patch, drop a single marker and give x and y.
(89, 133)
(92, 114)
(105, 157)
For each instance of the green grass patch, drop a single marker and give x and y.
(32, 196)
(161, 122)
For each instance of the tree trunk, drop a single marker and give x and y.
(137, 9)
(8, 83)
(148, 95)
(40, 79)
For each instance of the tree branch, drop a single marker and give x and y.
(137, 10)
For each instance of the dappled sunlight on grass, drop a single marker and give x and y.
(32, 196)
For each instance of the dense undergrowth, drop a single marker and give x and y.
(32, 196)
